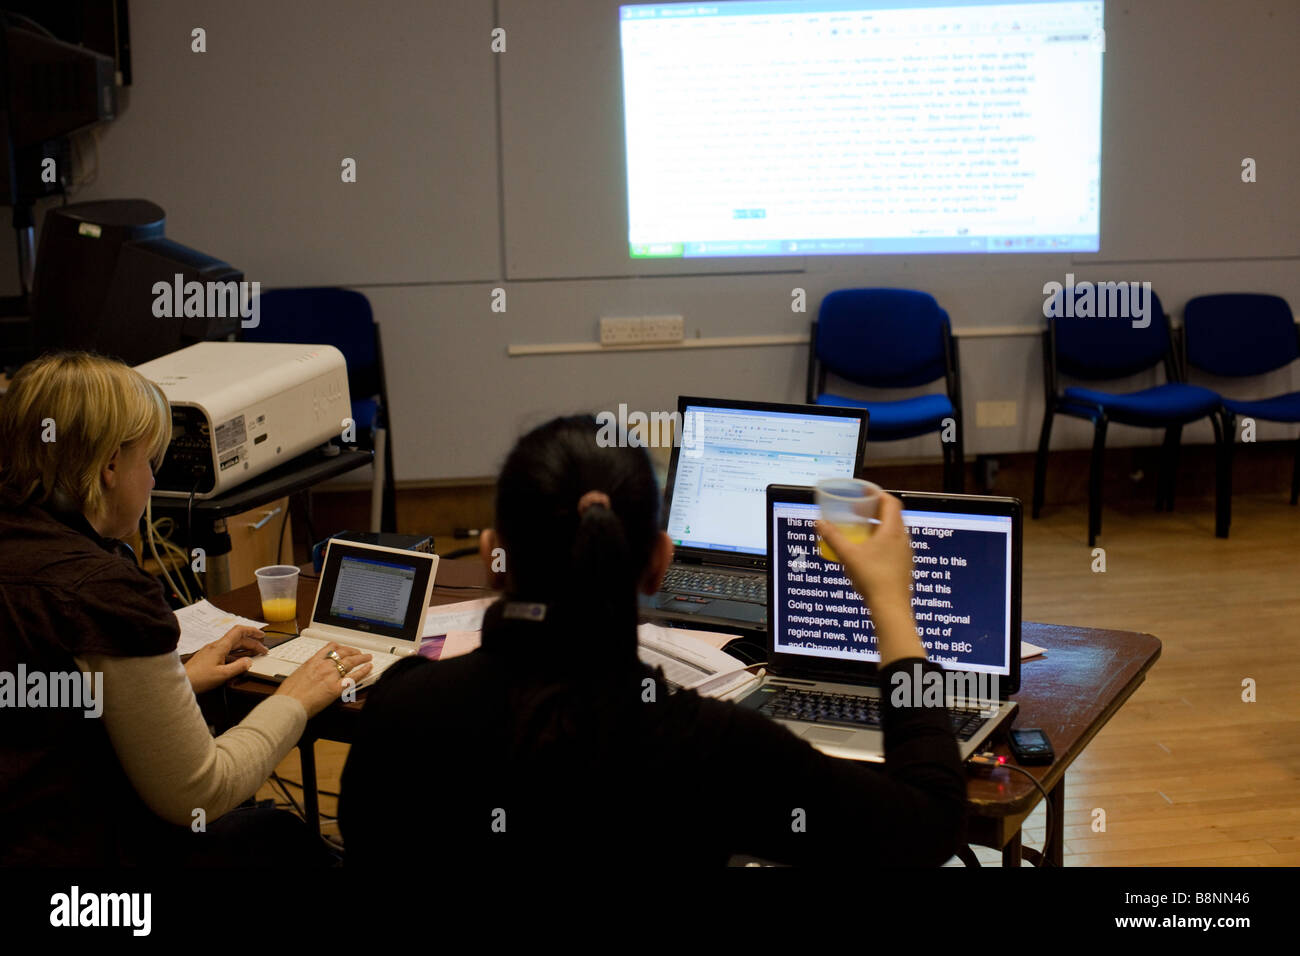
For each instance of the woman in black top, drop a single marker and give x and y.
(553, 744)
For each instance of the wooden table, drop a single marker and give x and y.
(1070, 693)
(461, 580)
(1085, 677)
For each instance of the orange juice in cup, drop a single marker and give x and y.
(851, 505)
(278, 586)
(277, 610)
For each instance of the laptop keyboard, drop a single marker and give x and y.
(790, 703)
(750, 588)
(301, 649)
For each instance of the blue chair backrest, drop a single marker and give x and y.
(324, 316)
(1110, 347)
(1239, 333)
(888, 338)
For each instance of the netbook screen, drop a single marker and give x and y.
(961, 591)
(729, 456)
(376, 591)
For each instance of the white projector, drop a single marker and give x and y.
(241, 408)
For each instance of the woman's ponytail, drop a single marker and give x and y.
(605, 574)
(578, 518)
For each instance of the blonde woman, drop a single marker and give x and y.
(105, 758)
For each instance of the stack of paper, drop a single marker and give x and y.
(202, 623)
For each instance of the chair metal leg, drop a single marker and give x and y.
(1094, 479)
(1295, 474)
(959, 462)
(378, 464)
(953, 467)
(1162, 469)
(1225, 425)
(1040, 462)
(389, 516)
(1168, 468)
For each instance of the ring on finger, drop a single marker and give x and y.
(343, 671)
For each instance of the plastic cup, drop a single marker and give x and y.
(278, 585)
(850, 504)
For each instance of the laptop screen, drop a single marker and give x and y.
(728, 457)
(375, 590)
(964, 587)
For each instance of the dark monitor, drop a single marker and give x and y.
(94, 285)
(52, 89)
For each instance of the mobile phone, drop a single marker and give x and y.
(1031, 746)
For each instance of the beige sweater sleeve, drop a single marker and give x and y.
(169, 755)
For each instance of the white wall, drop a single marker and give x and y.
(481, 170)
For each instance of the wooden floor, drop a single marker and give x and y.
(1187, 773)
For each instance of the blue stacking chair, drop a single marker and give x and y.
(1234, 335)
(342, 318)
(891, 338)
(1098, 349)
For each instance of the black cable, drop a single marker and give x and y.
(189, 539)
(320, 814)
(288, 796)
(10, 14)
(1047, 804)
(295, 783)
(463, 587)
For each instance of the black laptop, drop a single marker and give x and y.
(821, 671)
(718, 474)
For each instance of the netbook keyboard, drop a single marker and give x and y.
(750, 588)
(790, 703)
(301, 649)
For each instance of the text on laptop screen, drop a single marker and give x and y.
(376, 592)
(961, 591)
(729, 456)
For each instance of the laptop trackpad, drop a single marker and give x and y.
(672, 602)
(731, 610)
(828, 735)
(740, 611)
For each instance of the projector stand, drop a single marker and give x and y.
(209, 531)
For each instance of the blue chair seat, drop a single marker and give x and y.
(364, 412)
(1156, 407)
(905, 418)
(1279, 408)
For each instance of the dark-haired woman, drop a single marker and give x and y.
(553, 744)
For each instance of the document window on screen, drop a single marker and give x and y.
(729, 457)
(862, 126)
(374, 591)
(961, 591)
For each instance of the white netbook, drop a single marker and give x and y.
(371, 598)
